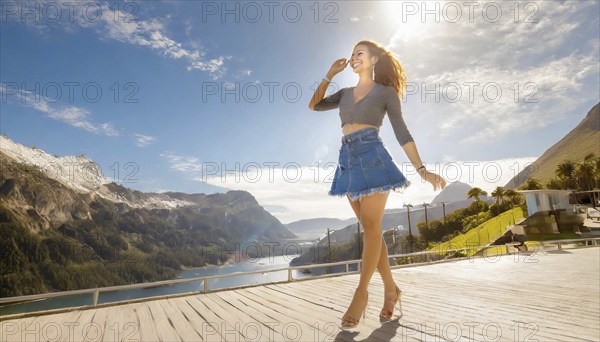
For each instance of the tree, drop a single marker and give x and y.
(577, 176)
(565, 171)
(514, 197)
(584, 176)
(531, 184)
(597, 171)
(476, 193)
(499, 194)
(585, 173)
(554, 184)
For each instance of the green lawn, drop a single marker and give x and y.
(484, 233)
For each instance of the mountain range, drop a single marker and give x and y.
(64, 226)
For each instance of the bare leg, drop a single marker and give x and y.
(389, 285)
(383, 267)
(371, 213)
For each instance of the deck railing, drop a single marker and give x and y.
(411, 259)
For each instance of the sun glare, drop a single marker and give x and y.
(406, 19)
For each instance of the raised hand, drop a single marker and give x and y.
(338, 66)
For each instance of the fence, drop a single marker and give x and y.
(406, 259)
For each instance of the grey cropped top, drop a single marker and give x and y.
(370, 109)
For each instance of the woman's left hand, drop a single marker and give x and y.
(435, 180)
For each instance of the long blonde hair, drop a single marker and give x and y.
(388, 70)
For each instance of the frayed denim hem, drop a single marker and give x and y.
(357, 195)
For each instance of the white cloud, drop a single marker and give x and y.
(546, 94)
(108, 129)
(117, 23)
(541, 81)
(245, 72)
(187, 164)
(152, 33)
(474, 40)
(71, 115)
(143, 140)
(214, 66)
(188, 28)
(302, 192)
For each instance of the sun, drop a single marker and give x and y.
(406, 19)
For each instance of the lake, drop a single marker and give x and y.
(249, 265)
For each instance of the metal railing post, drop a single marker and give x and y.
(96, 295)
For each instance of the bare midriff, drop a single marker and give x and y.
(351, 127)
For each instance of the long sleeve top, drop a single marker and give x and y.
(370, 109)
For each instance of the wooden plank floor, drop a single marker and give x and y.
(549, 296)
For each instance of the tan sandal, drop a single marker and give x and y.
(351, 322)
(386, 316)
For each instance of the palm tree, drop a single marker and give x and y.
(498, 193)
(554, 183)
(565, 171)
(476, 193)
(515, 197)
(584, 175)
(531, 184)
(597, 171)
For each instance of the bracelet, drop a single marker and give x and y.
(326, 79)
(421, 167)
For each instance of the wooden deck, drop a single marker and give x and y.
(552, 296)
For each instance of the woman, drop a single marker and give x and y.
(366, 172)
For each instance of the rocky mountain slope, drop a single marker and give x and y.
(61, 231)
(579, 142)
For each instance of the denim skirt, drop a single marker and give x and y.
(365, 166)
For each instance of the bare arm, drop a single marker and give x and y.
(412, 153)
(394, 110)
(410, 148)
(319, 94)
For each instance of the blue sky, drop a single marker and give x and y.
(149, 89)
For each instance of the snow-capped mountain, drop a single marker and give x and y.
(84, 175)
(63, 226)
(79, 173)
